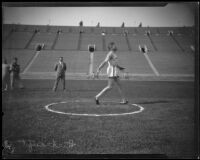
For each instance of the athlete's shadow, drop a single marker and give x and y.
(154, 102)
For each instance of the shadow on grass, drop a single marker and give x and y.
(154, 102)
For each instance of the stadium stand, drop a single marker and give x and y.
(17, 40)
(91, 39)
(43, 38)
(134, 63)
(77, 62)
(137, 40)
(97, 30)
(163, 30)
(87, 29)
(23, 55)
(119, 40)
(131, 30)
(73, 46)
(108, 30)
(173, 63)
(6, 31)
(185, 42)
(140, 30)
(165, 43)
(68, 41)
(118, 30)
(153, 30)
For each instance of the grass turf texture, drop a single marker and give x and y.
(166, 126)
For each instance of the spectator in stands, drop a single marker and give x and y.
(143, 49)
(122, 25)
(112, 72)
(5, 75)
(15, 74)
(60, 69)
(140, 25)
(98, 25)
(81, 23)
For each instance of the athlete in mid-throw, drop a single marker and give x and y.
(112, 72)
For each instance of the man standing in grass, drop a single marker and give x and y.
(5, 75)
(15, 74)
(60, 69)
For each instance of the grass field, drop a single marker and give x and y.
(165, 126)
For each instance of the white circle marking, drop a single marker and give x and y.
(93, 115)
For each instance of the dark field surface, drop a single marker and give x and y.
(165, 126)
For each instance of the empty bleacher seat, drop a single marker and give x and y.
(119, 40)
(67, 41)
(131, 30)
(91, 39)
(140, 30)
(43, 38)
(185, 41)
(165, 43)
(17, 40)
(136, 40)
(118, 30)
(108, 30)
(77, 62)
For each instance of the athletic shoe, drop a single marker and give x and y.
(97, 101)
(124, 102)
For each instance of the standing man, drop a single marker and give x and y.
(14, 74)
(5, 75)
(60, 69)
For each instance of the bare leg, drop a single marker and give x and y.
(56, 83)
(20, 83)
(63, 79)
(120, 90)
(107, 88)
(12, 79)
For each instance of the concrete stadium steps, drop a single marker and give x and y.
(153, 30)
(68, 41)
(140, 30)
(17, 40)
(173, 63)
(118, 30)
(97, 30)
(6, 31)
(24, 56)
(77, 62)
(165, 43)
(46, 38)
(120, 41)
(185, 42)
(108, 30)
(136, 40)
(131, 30)
(135, 63)
(91, 39)
(88, 29)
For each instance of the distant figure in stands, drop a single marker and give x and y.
(98, 25)
(112, 72)
(60, 69)
(5, 75)
(143, 49)
(122, 25)
(140, 25)
(81, 23)
(15, 74)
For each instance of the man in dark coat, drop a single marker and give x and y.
(60, 69)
